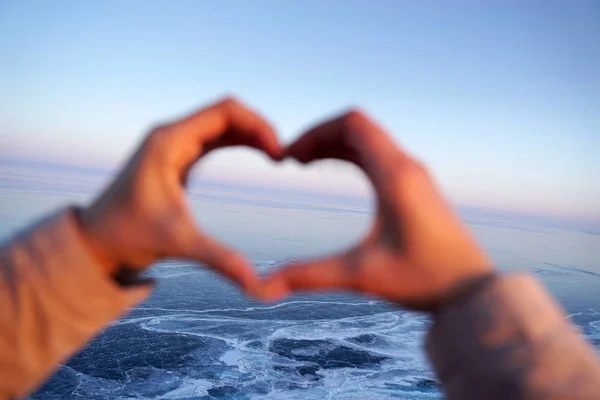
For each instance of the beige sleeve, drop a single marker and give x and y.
(53, 299)
(510, 340)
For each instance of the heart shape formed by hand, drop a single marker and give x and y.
(415, 251)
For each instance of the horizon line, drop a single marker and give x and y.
(198, 181)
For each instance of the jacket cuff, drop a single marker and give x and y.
(73, 274)
(55, 297)
(505, 340)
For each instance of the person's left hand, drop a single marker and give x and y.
(144, 216)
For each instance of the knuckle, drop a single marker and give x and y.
(361, 126)
(230, 103)
(355, 116)
(413, 175)
(156, 134)
(355, 136)
(156, 140)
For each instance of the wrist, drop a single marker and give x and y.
(93, 245)
(465, 289)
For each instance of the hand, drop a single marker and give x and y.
(417, 252)
(144, 215)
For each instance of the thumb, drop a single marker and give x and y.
(335, 272)
(224, 260)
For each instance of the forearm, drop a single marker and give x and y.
(54, 298)
(511, 340)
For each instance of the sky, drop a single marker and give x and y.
(500, 99)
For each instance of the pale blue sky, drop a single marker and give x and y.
(502, 100)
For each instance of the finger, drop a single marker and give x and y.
(224, 260)
(261, 139)
(336, 272)
(227, 123)
(352, 137)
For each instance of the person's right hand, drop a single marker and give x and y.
(418, 253)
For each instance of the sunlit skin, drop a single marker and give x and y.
(416, 254)
(144, 215)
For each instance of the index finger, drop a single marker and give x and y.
(352, 137)
(226, 123)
